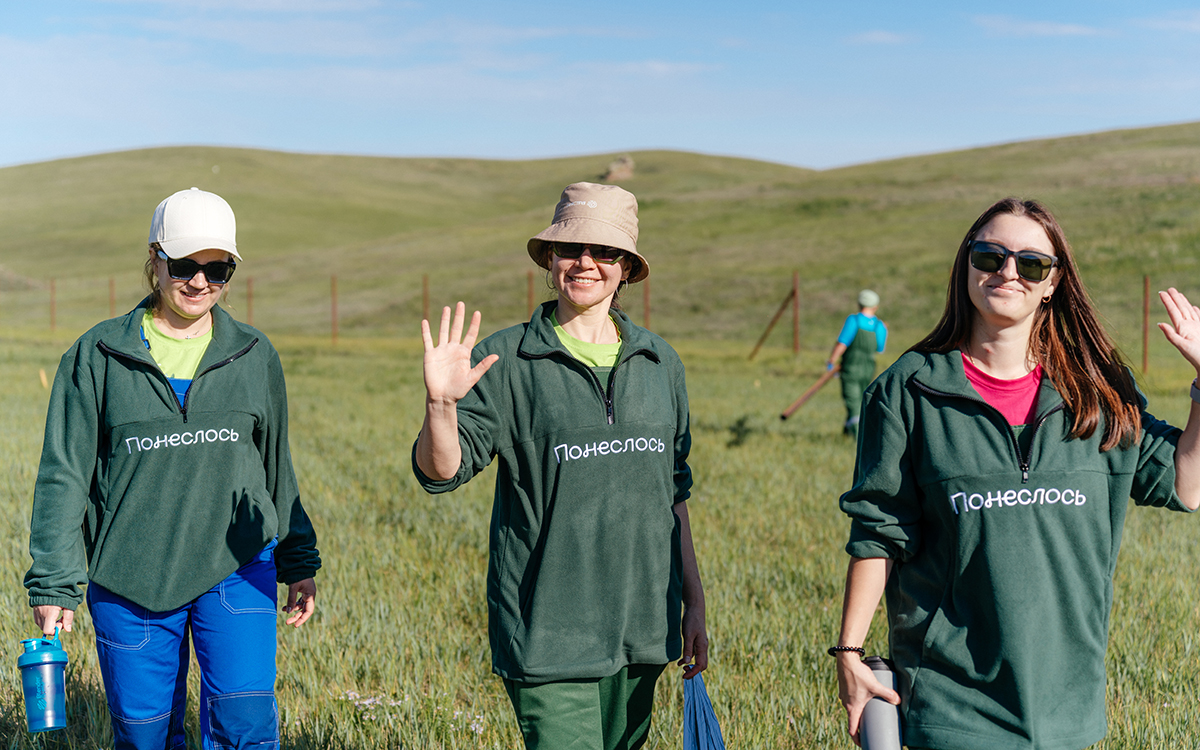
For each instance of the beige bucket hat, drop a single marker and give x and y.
(595, 214)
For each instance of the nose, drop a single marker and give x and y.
(1008, 271)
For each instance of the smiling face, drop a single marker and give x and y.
(583, 283)
(185, 302)
(1004, 299)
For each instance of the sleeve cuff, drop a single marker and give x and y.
(296, 576)
(867, 549)
(54, 601)
(433, 486)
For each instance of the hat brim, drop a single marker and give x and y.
(185, 246)
(589, 231)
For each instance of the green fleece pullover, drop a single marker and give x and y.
(584, 571)
(155, 502)
(999, 601)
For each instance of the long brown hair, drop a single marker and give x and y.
(1067, 339)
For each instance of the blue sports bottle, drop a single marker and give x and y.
(43, 668)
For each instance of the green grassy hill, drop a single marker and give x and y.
(723, 235)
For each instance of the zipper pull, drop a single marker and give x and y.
(608, 408)
(1024, 474)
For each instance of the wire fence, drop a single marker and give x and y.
(73, 305)
(70, 306)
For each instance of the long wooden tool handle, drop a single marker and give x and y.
(821, 381)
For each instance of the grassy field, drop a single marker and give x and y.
(397, 654)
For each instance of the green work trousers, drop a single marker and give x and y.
(852, 393)
(858, 370)
(611, 713)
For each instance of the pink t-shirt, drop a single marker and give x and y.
(1015, 399)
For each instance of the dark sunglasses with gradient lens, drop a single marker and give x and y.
(1031, 265)
(185, 269)
(574, 250)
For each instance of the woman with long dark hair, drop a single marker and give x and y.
(994, 471)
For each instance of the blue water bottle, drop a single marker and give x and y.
(43, 670)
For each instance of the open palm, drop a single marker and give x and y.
(447, 369)
(1184, 329)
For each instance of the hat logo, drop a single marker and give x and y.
(589, 204)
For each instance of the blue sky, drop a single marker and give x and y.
(804, 83)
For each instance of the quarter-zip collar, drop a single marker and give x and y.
(228, 340)
(540, 341)
(944, 375)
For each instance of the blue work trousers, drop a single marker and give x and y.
(144, 660)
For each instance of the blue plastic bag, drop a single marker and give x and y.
(700, 728)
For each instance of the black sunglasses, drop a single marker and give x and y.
(185, 269)
(574, 250)
(990, 257)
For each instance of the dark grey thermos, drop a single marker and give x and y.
(880, 725)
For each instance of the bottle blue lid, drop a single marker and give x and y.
(42, 651)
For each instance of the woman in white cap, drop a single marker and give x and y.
(166, 486)
(593, 585)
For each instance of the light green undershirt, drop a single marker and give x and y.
(177, 358)
(592, 355)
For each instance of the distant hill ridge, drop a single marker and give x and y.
(723, 235)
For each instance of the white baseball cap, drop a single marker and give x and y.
(193, 220)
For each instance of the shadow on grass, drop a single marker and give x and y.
(739, 431)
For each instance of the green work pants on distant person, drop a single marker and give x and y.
(858, 370)
(852, 393)
(611, 713)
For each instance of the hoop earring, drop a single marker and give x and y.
(549, 282)
(1046, 299)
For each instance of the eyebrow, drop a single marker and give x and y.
(1051, 254)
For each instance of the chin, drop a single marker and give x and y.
(192, 311)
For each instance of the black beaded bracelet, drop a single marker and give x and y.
(835, 650)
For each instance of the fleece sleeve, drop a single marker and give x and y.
(683, 438)
(884, 504)
(62, 492)
(296, 557)
(1154, 480)
(480, 425)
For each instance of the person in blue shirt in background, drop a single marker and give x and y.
(862, 337)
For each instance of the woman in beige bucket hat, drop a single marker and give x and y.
(593, 585)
